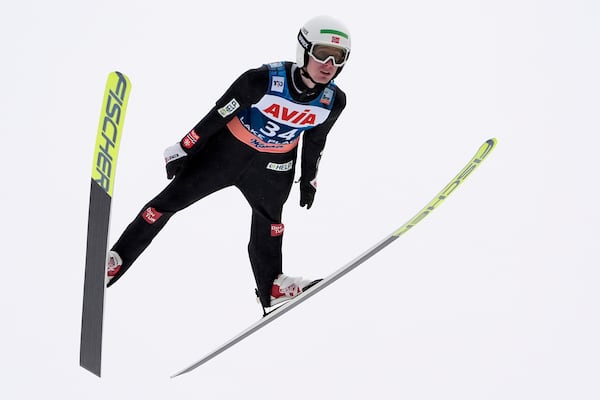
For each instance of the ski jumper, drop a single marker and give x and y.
(249, 140)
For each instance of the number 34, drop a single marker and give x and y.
(272, 129)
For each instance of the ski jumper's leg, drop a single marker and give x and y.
(266, 186)
(207, 172)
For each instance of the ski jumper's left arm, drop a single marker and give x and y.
(314, 141)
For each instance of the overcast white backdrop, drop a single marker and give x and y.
(494, 296)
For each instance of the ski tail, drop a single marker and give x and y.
(108, 139)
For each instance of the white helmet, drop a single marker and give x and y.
(322, 30)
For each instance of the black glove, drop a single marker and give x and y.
(307, 193)
(175, 157)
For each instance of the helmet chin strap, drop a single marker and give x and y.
(301, 88)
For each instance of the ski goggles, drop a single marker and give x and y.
(322, 53)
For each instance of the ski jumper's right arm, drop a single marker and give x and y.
(245, 91)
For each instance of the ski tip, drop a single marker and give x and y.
(485, 149)
(121, 75)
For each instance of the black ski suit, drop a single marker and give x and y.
(224, 149)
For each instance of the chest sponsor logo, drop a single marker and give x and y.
(279, 112)
(285, 112)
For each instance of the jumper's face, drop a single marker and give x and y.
(321, 72)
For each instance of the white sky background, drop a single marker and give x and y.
(493, 296)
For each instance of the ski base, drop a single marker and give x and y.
(93, 287)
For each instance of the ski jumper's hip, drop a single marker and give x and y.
(241, 133)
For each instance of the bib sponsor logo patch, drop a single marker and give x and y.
(284, 114)
(277, 84)
(281, 167)
(150, 215)
(276, 230)
(327, 96)
(282, 111)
